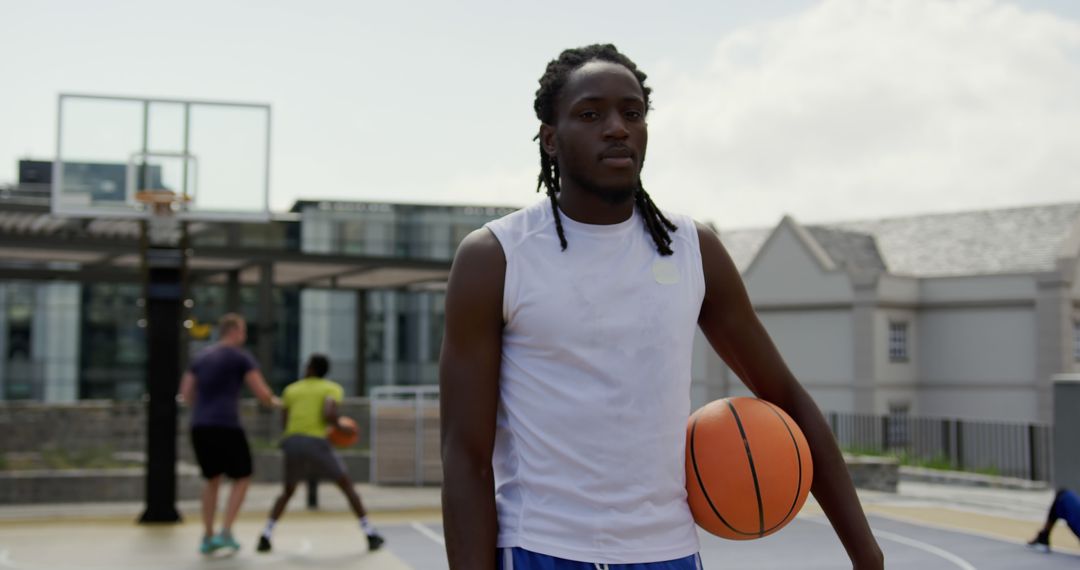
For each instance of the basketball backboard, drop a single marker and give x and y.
(212, 156)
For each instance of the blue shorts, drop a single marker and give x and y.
(521, 559)
(1067, 507)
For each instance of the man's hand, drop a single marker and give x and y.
(873, 559)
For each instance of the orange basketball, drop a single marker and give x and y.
(345, 434)
(748, 468)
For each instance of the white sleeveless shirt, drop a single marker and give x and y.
(594, 391)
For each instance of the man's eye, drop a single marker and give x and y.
(589, 115)
(634, 115)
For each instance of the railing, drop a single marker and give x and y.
(405, 435)
(998, 448)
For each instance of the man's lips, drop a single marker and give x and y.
(618, 157)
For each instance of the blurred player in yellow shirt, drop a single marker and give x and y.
(310, 406)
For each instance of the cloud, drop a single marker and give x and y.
(872, 108)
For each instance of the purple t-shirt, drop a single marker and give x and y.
(219, 375)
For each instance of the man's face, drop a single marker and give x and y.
(599, 136)
(241, 333)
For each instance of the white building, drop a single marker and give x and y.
(962, 315)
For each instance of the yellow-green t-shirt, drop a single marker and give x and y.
(304, 400)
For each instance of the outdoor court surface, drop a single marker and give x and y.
(920, 538)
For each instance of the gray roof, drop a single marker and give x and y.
(1013, 240)
(743, 245)
(854, 250)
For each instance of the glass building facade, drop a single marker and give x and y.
(65, 341)
(397, 341)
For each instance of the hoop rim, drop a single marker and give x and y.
(161, 201)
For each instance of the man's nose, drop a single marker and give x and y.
(615, 127)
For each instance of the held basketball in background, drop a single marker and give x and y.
(748, 468)
(345, 434)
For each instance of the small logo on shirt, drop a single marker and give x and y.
(665, 272)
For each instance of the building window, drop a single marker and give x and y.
(1076, 341)
(898, 341)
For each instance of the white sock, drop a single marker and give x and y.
(366, 526)
(269, 528)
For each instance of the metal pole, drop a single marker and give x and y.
(164, 270)
(143, 170)
(266, 320)
(232, 291)
(187, 145)
(361, 343)
(960, 445)
(419, 411)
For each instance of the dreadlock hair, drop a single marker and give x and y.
(554, 79)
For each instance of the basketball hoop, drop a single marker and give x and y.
(162, 202)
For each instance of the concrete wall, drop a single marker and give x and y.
(983, 290)
(977, 346)
(121, 426)
(786, 272)
(817, 345)
(1018, 403)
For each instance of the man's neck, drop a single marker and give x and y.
(589, 208)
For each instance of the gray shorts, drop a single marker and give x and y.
(309, 457)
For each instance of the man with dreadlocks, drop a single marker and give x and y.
(565, 367)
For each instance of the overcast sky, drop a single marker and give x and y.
(825, 110)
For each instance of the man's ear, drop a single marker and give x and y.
(547, 140)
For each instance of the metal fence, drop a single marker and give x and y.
(405, 435)
(1008, 449)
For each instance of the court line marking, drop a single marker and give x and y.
(925, 547)
(1068, 550)
(428, 532)
(939, 526)
(959, 562)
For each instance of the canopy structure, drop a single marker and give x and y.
(34, 244)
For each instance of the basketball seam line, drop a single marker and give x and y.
(701, 484)
(753, 471)
(798, 459)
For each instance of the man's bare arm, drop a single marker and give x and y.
(187, 388)
(734, 330)
(257, 384)
(330, 411)
(469, 392)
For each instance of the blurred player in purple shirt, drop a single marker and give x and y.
(212, 386)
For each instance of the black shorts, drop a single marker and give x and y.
(221, 450)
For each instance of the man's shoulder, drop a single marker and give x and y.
(306, 386)
(328, 384)
(687, 228)
(514, 227)
(481, 256)
(533, 210)
(239, 354)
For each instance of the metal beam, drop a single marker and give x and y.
(332, 277)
